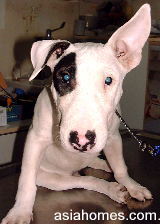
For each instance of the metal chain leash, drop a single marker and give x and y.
(144, 146)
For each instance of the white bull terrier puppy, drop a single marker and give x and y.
(72, 125)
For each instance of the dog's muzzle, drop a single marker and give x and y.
(82, 142)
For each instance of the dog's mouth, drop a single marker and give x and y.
(88, 146)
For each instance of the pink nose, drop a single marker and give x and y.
(82, 139)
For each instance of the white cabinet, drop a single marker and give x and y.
(12, 139)
(134, 93)
(11, 147)
(6, 148)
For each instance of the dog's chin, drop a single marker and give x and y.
(89, 150)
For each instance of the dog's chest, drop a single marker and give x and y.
(61, 161)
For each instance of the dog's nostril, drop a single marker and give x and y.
(73, 138)
(91, 136)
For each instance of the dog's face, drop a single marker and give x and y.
(87, 91)
(87, 80)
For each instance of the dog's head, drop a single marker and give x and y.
(87, 80)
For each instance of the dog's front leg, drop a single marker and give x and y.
(58, 182)
(22, 210)
(113, 152)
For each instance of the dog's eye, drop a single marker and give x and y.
(108, 80)
(66, 77)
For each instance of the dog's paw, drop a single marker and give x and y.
(118, 192)
(140, 193)
(17, 216)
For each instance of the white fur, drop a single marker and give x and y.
(49, 159)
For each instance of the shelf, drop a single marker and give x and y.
(154, 40)
(15, 126)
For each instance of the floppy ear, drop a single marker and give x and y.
(45, 53)
(127, 42)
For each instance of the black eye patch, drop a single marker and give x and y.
(64, 75)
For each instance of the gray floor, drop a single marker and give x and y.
(142, 167)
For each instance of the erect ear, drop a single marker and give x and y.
(45, 53)
(127, 42)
